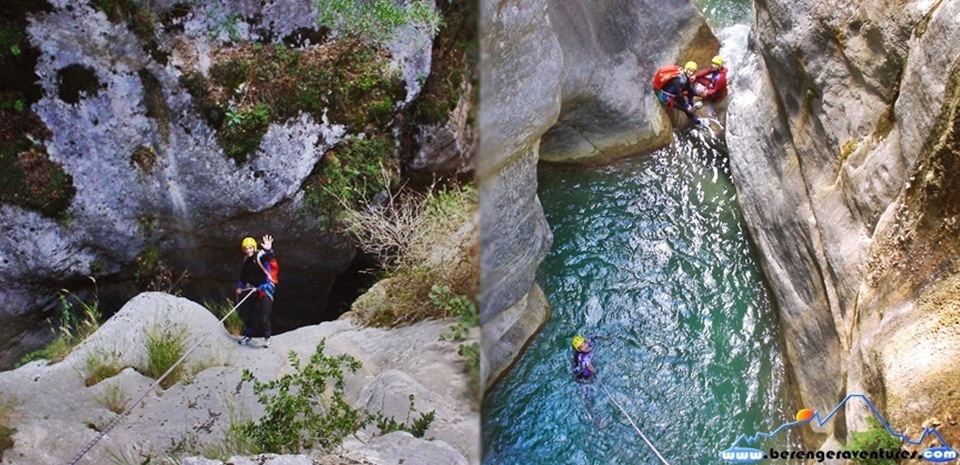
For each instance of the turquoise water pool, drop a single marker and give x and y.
(652, 257)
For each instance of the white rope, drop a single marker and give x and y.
(624, 412)
(130, 405)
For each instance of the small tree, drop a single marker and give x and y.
(304, 411)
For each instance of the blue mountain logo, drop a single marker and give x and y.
(738, 454)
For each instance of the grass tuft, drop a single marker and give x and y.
(6, 431)
(233, 324)
(78, 321)
(165, 345)
(113, 398)
(101, 366)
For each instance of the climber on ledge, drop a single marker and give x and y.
(674, 88)
(711, 84)
(259, 272)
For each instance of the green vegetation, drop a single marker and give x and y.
(151, 274)
(141, 21)
(455, 47)
(76, 324)
(101, 366)
(6, 432)
(471, 353)
(304, 411)
(459, 306)
(876, 437)
(166, 343)
(233, 324)
(113, 397)
(418, 428)
(351, 174)
(465, 310)
(253, 86)
(29, 179)
(243, 130)
(376, 20)
(404, 234)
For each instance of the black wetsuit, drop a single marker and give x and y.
(255, 311)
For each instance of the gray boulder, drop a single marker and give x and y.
(56, 415)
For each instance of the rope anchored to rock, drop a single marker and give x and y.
(130, 406)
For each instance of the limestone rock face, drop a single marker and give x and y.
(611, 49)
(831, 121)
(193, 204)
(520, 90)
(55, 414)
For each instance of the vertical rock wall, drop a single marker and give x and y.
(829, 124)
(520, 68)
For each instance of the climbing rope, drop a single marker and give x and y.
(130, 406)
(624, 412)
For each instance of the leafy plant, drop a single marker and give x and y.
(455, 305)
(471, 352)
(352, 174)
(244, 130)
(234, 117)
(231, 25)
(166, 344)
(301, 414)
(297, 414)
(418, 428)
(876, 437)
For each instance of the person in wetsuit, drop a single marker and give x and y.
(673, 86)
(582, 358)
(260, 272)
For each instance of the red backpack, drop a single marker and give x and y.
(664, 74)
(271, 269)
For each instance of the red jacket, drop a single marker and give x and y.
(715, 83)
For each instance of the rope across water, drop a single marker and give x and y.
(642, 436)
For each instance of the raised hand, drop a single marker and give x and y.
(267, 242)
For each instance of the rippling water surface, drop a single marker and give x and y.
(652, 256)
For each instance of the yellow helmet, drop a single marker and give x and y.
(717, 60)
(690, 66)
(578, 340)
(248, 242)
